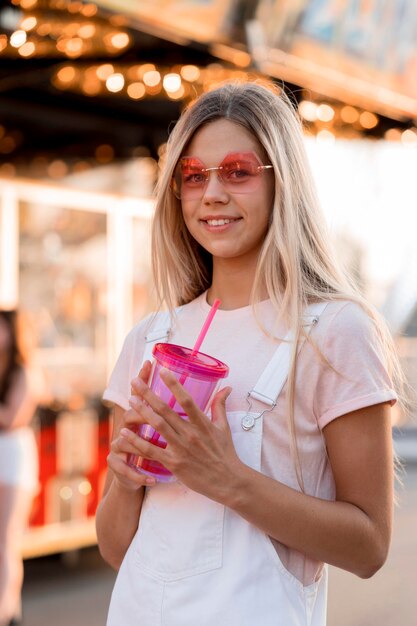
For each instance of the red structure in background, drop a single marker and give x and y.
(98, 473)
(46, 440)
(57, 489)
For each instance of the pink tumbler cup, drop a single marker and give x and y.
(198, 373)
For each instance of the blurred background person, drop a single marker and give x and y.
(21, 388)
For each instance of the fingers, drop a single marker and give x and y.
(125, 475)
(145, 371)
(128, 442)
(132, 419)
(122, 445)
(158, 407)
(166, 422)
(141, 447)
(183, 398)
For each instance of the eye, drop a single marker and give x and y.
(196, 177)
(238, 172)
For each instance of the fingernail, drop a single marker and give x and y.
(125, 432)
(150, 481)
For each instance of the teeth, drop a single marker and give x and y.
(219, 222)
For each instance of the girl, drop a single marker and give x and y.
(295, 468)
(19, 394)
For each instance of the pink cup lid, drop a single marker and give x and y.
(198, 364)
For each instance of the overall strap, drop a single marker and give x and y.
(159, 332)
(273, 378)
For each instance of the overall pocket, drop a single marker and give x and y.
(180, 533)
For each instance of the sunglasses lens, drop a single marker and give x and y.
(190, 178)
(240, 172)
(194, 177)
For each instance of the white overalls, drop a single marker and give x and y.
(194, 562)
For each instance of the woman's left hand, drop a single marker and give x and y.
(200, 452)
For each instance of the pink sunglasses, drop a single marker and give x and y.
(239, 172)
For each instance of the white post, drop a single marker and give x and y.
(120, 278)
(9, 247)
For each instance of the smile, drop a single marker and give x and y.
(220, 222)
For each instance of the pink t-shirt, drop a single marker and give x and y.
(357, 378)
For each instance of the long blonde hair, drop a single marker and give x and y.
(296, 265)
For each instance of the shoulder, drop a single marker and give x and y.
(347, 332)
(344, 319)
(353, 372)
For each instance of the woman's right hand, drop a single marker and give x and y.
(125, 476)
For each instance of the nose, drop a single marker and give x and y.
(214, 190)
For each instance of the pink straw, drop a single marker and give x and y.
(206, 326)
(199, 341)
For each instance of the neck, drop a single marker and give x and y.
(232, 283)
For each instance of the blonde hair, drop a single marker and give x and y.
(296, 265)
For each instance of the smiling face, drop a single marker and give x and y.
(228, 224)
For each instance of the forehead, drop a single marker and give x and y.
(216, 139)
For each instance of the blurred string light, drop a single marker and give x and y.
(308, 110)
(325, 113)
(349, 114)
(339, 119)
(8, 170)
(29, 23)
(368, 120)
(136, 91)
(57, 169)
(104, 71)
(409, 137)
(190, 73)
(18, 38)
(9, 140)
(152, 78)
(64, 28)
(28, 49)
(115, 82)
(137, 81)
(104, 153)
(393, 134)
(172, 82)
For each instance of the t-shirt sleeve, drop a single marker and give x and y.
(127, 366)
(356, 375)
